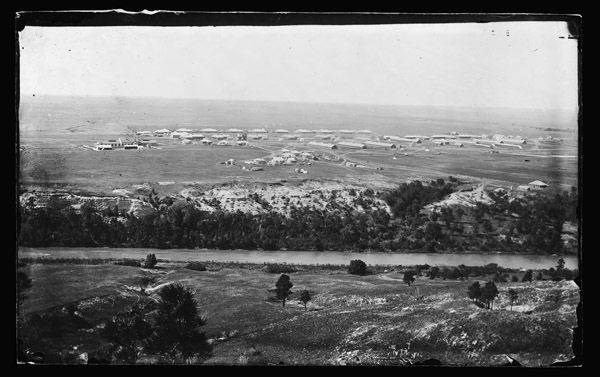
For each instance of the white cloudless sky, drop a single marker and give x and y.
(509, 64)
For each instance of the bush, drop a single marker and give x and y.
(515, 279)
(196, 266)
(128, 262)
(357, 267)
(150, 261)
(277, 268)
(528, 276)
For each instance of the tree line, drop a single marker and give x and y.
(335, 227)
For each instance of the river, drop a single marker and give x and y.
(525, 261)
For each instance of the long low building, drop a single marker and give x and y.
(398, 138)
(467, 136)
(304, 131)
(322, 145)
(417, 137)
(235, 130)
(509, 145)
(349, 144)
(258, 131)
(513, 141)
(209, 130)
(364, 132)
(346, 131)
(377, 144)
(281, 131)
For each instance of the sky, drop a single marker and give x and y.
(507, 64)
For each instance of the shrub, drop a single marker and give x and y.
(409, 277)
(434, 272)
(150, 261)
(280, 268)
(474, 291)
(196, 266)
(528, 276)
(515, 279)
(128, 262)
(357, 267)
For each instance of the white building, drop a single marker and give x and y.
(281, 131)
(209, 130)
(537, 185)
(235, 130)
(322, 145)
(258, 131)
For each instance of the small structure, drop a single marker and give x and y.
(376, 144)
(206, 141)
(349, 144)
(220, 136)
(241, 142)
(322, 145)
(131, 146)
(258, 131)
(223, 142)
(537, 185)
(114, 143)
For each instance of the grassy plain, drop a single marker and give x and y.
(375, 319)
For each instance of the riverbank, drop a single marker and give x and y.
(515, 261)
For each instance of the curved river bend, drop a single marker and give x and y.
(524, 261)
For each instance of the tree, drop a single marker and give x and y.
(127, 332)
(150, 261)
(357, 267)
(409, 277)
(474, 292)
(528, 276)
(515, 279)
(512, 297)
(560, 264)
(539, 276)
(282, 288)
(489, 293)
(305, 297)
(177, 325)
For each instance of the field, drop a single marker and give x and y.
(375, 319)
(52, 131)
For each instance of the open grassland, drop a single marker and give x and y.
(175, 166)
(375, 319)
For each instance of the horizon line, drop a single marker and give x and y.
(29, 95)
